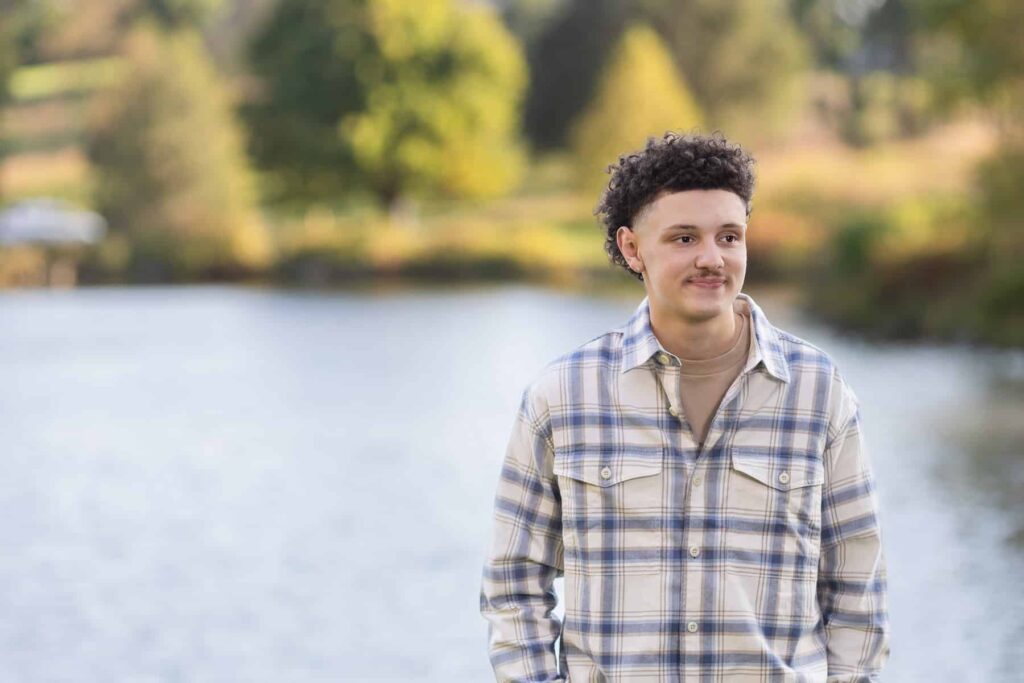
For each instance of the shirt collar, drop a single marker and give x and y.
(639, 342)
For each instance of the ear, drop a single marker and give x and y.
(625, 238)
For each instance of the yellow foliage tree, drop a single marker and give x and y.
(454, 133)
(172, 175)
(640, 94)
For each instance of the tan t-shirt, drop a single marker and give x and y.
(703, 383)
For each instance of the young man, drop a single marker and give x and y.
(698, 475)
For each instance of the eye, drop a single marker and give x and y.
(681, 237)
(735, 238)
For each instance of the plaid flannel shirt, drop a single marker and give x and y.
(755, 558)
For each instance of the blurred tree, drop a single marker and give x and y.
(832, 40)
(886, 38)
(565, 62)
(21, 24)
(80, 30)
(173, 14)
(869, 45)
(856, 36)
(232, 27)
(884, 105)
(640, 95)
(8, 46)
(86, 30)
(172, 176)
(394, 96)
(966, 285)
(528, 18)
(975, 55)
(973, 50)
(744, 60)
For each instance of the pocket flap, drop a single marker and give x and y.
(608, 466)
(779, 468)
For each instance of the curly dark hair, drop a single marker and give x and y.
(673, 163)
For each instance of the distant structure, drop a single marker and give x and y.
(56, 227)
(49, 221)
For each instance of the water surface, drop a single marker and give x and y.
(231, 484)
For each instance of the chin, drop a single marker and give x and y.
(709, 308)
(697, 312)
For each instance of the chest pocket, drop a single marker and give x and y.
(773, 531)
(780, 469)
(607, 467)
(773, 500)
(612, 506)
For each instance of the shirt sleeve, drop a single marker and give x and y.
(852, 583)
(526, 555)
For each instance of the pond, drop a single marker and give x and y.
(246, 484)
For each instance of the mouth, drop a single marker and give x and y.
(707, 283)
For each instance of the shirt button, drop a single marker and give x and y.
(663, 358)
(784, 478)
(673, 411)
(692, 627)
(694, 551)
(606, 473)
(698, 480)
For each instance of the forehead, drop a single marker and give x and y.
(703, 208)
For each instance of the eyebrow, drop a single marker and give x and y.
(685, 226)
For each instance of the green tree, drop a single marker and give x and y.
(640, 94)
(172, 175)
(392, 96)
(565, 63)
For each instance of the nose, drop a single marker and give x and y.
(709, 257)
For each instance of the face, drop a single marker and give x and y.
(691, 248)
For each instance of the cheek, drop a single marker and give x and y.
(737, 260)
(664, 265)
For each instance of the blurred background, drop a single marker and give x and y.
(273, 274)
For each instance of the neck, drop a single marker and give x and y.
(694, 339)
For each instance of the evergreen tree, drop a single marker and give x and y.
(172, 174)
(393, 96)
(640, 95)
(744, 60)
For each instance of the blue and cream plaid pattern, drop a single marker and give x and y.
(757, 558)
